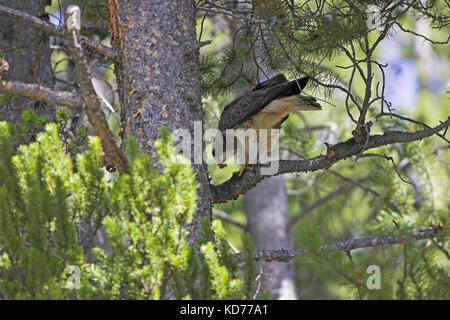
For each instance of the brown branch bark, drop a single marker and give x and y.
(236, 186)
(283, 255)
(92, 104)
(34, 22)
(53, 97)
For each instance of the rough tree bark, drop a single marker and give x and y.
(28, 54)
(158, 76)
(267, 219)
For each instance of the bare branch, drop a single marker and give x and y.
(421, 35)
(424, 125)
(236, 186)
(283, 255)
(91, 46)
(441, 247)
(230, 13)
(56, 98)
(356, 182)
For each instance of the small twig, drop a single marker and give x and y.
(421, 35)
(258, 281)
(424, 125)
(231, 14)
(222, 215)
(440, 247)
(356, 182)
(318, 203)
(388, 159)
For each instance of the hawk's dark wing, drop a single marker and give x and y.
(249, 104)
(279, 78)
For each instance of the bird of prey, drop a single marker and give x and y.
(266, 106)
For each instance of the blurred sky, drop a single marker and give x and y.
(403, 85)
(402, 79)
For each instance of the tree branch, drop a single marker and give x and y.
(34, 91)
(92, 104)
(283, 255)
(34, 22)
(236, 186)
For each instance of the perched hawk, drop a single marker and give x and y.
(266, 106)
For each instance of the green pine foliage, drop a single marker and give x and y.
(293, 39)
(52, 210)
(38, 238)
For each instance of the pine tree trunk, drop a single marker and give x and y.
(267, 218)
(18, 43)
(158, 76)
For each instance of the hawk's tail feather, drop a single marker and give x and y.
(307, 103)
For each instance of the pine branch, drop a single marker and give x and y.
(283, 255)
(236, 186)
(217, 9)
(34, 22)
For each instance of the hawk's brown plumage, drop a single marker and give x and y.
(266, 106)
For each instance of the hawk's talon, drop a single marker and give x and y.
(241, 171)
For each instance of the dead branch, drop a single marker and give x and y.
(284, 255)
(56, 98)
(34, 22)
